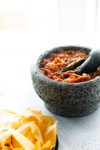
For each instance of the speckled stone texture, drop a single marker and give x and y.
(66, 99)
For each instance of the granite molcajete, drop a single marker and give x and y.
(66, 99)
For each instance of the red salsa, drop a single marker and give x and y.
(56, 66)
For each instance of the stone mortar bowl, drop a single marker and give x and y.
(66, 99)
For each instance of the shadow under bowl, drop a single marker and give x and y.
(66, 99)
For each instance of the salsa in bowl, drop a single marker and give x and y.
(61, 66)
(77, 97)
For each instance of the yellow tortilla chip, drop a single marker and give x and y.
(46, 146)
(30, 130)
(51, 132)
(23, 141)
(37, 145)
(6, 148)
(15, 148)
(5, 138)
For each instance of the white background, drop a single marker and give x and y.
(28, 26)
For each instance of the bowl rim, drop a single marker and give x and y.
(56, 49)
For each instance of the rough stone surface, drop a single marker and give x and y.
(66, 99)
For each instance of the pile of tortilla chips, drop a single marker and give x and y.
(28, 131)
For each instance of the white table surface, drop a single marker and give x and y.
(17, 93)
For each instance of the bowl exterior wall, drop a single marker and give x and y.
(68, 100)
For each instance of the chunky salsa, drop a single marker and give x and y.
(61, 66)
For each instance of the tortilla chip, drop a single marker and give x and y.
(30, 130)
